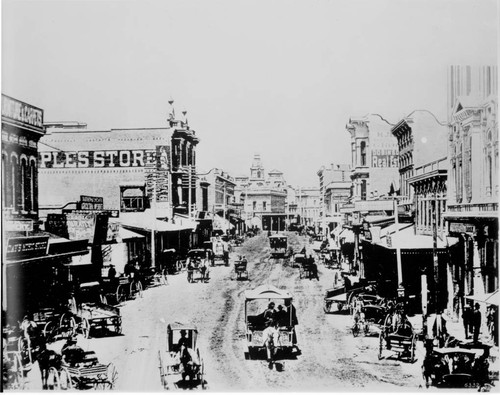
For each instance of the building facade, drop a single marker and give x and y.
(472, 201)
(374, 157)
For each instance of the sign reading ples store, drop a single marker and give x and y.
(86, 159)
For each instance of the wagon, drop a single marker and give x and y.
(402, 342)
(308, 269)
(456, 367)
(240, 268)
(220, 252)
(181, 364)
(87, 374)
(197, 265)
(279, 244)
(87, 312)
(255, 322)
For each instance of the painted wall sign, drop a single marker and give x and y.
(91, 203)
(459, 227)
(90, 159)
(22, 112)
(18, 226)
(26, 247)
(384, 158)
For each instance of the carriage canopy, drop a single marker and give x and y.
(267, 292)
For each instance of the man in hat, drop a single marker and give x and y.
(183, 341)
(476, 322)
(269, 313)
(467, 320)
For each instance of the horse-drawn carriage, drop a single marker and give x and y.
(181, 364)
(76, 369)
(279, 244)
(255, 323)
(88, 312)
(240, 268)
(218, 250)
(456, 367)
(197, 265)
(398, 336)
(344, 297)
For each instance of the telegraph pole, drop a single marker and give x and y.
(153, 244)
(398, 251)
(434, 253)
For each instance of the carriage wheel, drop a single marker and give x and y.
(53, 381)
(139, 288)
(108, 383)
(380, 344)
(355, 330)
(48, 330)
(65, 381)
(85, 328)
(413, 348)
(121, 294)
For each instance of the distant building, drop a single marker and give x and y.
(264, 197)
(374, 153)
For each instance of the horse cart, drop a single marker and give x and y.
(456, 367)
(181, 364)
(255, 322)
(240, 268)
(87, 313)
(197, 265)
(85, 373)
(219, 251)
(279, 244)
(398, 337)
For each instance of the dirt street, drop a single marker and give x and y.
(331, 358)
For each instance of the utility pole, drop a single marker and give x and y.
(398, 251)
(153, 246)
(434, 254)
(189, 190)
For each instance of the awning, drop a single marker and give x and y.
(347, 235)
(220, 223)
(489, 298)
(267, 292)
(337, 231)
(185, 221)
(406, 238)
(125, 234)
(146, 220)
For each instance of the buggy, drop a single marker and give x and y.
(255, 323)
(181, 359)
(240, 268)
(397, 335)
(279, 244)
(197, 263)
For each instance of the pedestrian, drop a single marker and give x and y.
(491, 319)
(476, 322)
(467, 320)
(111, 272)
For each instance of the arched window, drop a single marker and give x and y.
(363, 153)
(32, 182)
(489, 175)
(23, 183)
(5, 182)
(14, 185)
(363, 190)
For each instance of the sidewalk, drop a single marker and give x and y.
(456, 329)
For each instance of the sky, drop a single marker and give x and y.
(274, 77)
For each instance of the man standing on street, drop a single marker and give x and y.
(467, 320)
(476, 322)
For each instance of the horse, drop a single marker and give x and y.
(48, 359)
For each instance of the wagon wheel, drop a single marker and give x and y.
(121, 293)
(53, 381)
(49, 330)
(24, 348)
(380, 344)
(201, 372)
(413, 348)
(355, 330)
(65, 380)
(85, 328)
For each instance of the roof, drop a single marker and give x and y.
(406, 238)
(146, 220)
(126, 234)
(179, 325)
(267, 292)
